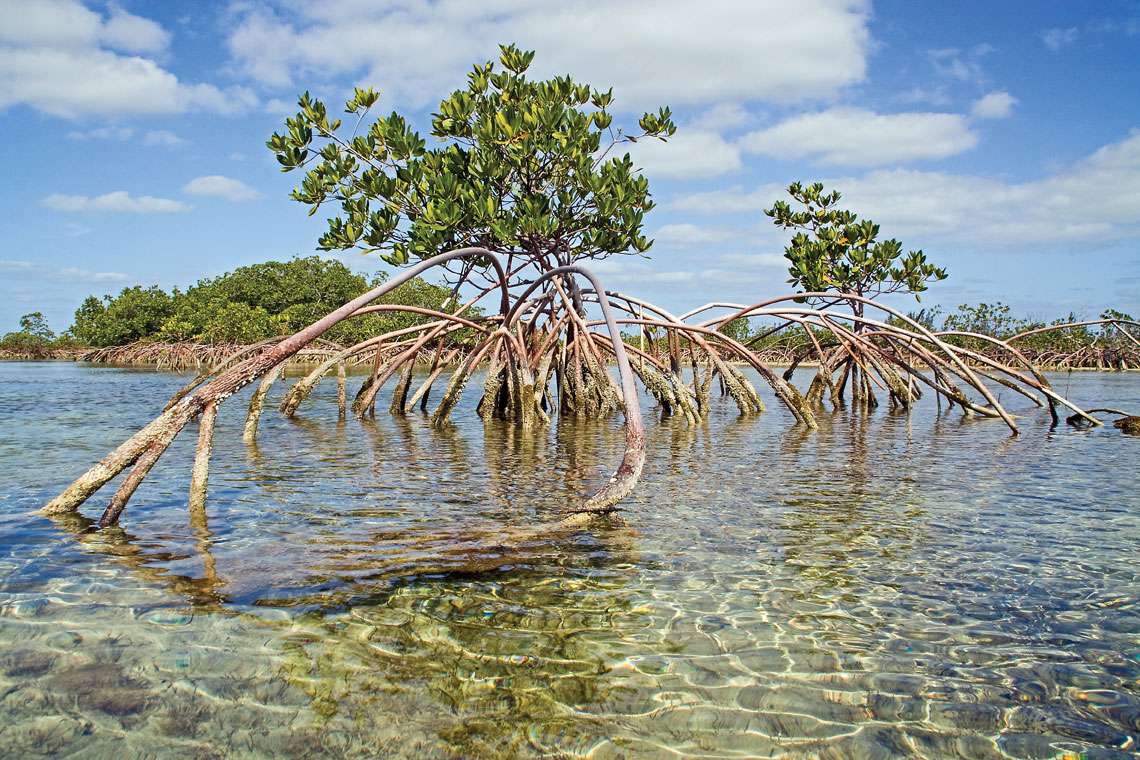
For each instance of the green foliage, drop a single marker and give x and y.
(261, 301)
(834, 250)
(930, 318)
(519, 166)
(1114, 314)
(247, 305)
(134, 314)
(35, 326)
(988, 319)
(737, 329)
(88, 318)
(34, 334)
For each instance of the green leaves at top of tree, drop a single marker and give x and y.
(834, 250)
(34, 333)
(36, 326)
(520, 166)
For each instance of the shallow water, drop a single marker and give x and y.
(886, 586)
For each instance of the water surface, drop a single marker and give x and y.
(886, 586)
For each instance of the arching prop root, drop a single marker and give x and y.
(201, 398)
(888, 354)
(541, 354)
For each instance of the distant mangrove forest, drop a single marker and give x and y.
(196, 326)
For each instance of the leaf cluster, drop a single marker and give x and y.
(832, 249)
(517, 166)
(33, 334)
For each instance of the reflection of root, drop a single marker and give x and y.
(479, 551)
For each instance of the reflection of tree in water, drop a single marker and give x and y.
(851, 506)
(205, 593)
(449, 636)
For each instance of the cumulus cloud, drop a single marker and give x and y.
(64, 59)
(686, 155)
(1094, 201)
(857, 137)
(652, 51)
(133, 34)
(994, 105)
(215, 185)
(119, 201)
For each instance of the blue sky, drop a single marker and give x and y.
(1002, 138)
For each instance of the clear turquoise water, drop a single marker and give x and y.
(887, 586)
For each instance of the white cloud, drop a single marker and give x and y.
(1094, 201)
(48, 23)
(857, 137)
(1055, 39)
(217, 186)
(154, 137)
(688, 234)
(931, 96)
(32, 270)
(86, 275)
(63, 59)
(68, 23)
(961, 65)
(102, 133)
(133, 34)
(163, 138)
(279, 107)
(11, 265)
(756, 259)
(629, 271)
(994, 105)
(731, 200)
(686, 155)
(652, 51)
(119, 201)
(722, 116)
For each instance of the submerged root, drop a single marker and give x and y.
(200, 474)
(257, 403)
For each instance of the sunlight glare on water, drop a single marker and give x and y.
(886, 586)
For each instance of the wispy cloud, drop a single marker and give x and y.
(1055, 39)
(33, 270)
(963, 65)
(689, 235)
(217, 186)
(119, 201)
(163, 138)
(102, 133)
